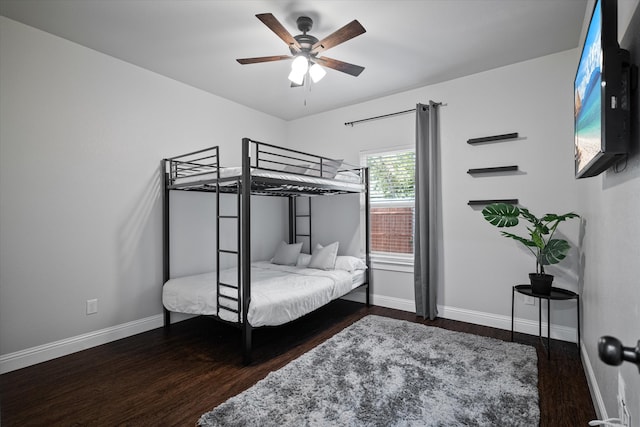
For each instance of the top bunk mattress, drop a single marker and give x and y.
(346, 180)
(279, 294)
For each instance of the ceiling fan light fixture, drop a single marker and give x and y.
(300, 65)
(317, 73)
(296, 77)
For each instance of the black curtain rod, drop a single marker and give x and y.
(383, 116)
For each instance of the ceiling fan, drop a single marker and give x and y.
(305, 49)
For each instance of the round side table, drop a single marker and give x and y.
(556, 294)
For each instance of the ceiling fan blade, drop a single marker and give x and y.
(245, 61)
(344, 67)
(274, 25)
(349, 31)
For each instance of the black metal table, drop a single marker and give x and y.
(556, 294)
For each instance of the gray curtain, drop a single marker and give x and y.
(425, 238)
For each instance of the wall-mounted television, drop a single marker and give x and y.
(601, 95)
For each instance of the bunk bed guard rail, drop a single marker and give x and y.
(197, 169)
(201, 163)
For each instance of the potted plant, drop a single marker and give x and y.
(540, 242)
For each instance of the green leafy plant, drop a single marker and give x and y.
(540, 242)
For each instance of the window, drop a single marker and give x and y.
(392, 186)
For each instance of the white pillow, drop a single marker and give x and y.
(348, 176)
(287, 254)
(330, 168)
(303, 260)
(350, 263)
(324, 258)
(301, 168)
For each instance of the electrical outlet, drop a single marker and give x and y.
(92, 306)
(529, 300)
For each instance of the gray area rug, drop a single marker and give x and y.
(387, 372)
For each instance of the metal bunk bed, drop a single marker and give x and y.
(267, 170)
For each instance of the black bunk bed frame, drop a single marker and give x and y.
(202, 167)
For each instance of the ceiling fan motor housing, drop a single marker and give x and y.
(305, 40)
(304, 24)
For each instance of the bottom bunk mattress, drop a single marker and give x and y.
(279, 293)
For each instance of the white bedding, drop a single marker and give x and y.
(348, 180)
(279, 294)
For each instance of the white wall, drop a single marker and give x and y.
(81, 136)
(611, 250)
(81, 139)
(533, 98)
(193, 230)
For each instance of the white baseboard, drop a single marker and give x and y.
(42, 353)
(526, 326)
(382, 301)
(397, 303)
(31, 356)
(596, 396)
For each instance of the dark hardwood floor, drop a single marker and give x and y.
(170, 378)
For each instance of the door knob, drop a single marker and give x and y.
(612, 352)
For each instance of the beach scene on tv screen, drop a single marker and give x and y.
(588, 97)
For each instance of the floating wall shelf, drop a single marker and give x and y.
(493, 169)
(493, 138)
(490, 201)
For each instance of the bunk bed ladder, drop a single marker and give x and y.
(220, 297)
(293, 221)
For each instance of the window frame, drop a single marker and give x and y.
(394, 261)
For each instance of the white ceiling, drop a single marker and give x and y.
(408, 43)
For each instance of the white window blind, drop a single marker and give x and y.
(392, 176)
